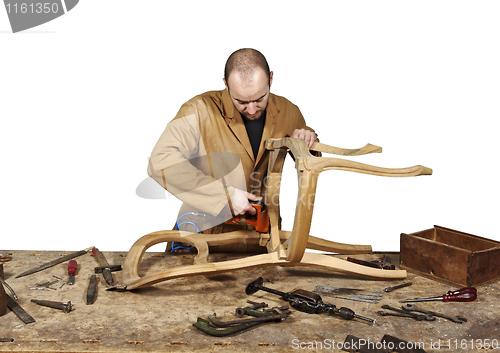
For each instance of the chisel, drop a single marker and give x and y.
(55, 262)
(92, 290)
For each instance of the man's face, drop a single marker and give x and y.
(250, 95)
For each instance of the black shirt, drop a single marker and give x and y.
(254, 131)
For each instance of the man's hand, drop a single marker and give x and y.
(306, 135)
(240, 202)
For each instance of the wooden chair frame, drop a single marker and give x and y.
(284, 248)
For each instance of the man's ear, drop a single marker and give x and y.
(225, 83)
(270, 79)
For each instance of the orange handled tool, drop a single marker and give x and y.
(260, 221)
(71, 271)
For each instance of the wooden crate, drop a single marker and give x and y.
(451, 256)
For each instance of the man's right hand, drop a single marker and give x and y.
(241, 204)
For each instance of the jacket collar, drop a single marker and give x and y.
(227, 106)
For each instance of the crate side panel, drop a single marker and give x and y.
(484, 267)
(464, 240)
(435, 259)
(429, 234)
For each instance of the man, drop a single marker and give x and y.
(212, 154)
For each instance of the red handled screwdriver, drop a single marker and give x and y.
(467, 294)
(71, 271)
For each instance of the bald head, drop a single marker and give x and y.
(245, 63)
(248, 80)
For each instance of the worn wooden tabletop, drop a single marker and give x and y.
(161, 317)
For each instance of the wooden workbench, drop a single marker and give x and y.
(160, 318)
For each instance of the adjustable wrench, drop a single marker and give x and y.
(456, 319)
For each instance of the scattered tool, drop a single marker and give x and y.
(276, 314)
(66, 307)
(260, 221)
(106, 271)
(466, 294)
(47, 284)
(3, 301)
(6, 339)
(390, 289)
(374, 263)
(72, 265)
(4, 257)
(92, 290)
(248, 310)
(20, 312)
(3, 295)
(413, 307)
(204, 326)
(54, 262)
(112, 268)
(350, 294)
(9, 288)
(305, 301)
(371, 300)
(348, 291)
(402, 313)
(215, 327)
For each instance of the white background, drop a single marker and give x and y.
(84, 98)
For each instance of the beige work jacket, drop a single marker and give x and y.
(204, 152)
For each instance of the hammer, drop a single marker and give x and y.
(104, 267)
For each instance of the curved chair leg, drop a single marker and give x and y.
(199, 241)
(132, 280)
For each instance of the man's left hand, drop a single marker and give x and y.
(306, 135)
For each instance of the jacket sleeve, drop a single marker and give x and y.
(314, 153)
(300, 122)
(172, 159)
